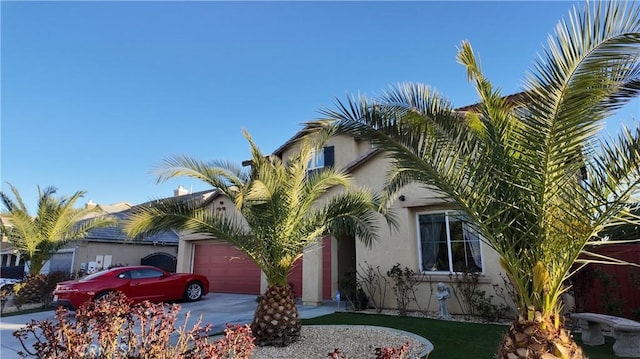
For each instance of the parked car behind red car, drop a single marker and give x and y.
(138, 283)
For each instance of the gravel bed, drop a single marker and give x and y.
(355, 342)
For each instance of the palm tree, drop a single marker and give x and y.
(284, 209)
(530, 170)
(56, 223)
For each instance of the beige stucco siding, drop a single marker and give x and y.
(346, 150)
(127, 253)
(401, 245)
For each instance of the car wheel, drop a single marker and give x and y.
(101, 296)
(193, 291)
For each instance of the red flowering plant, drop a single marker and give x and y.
(114, 328)
(393, 353)
(381, 353)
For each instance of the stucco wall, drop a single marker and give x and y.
(121, 253)
(401, 244)
(346, 150)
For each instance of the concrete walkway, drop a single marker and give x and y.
(217, 309)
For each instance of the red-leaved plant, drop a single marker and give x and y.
(337, 354)
(114, 328)
(393, 353)
(381, 353)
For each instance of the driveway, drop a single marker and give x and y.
(217, 309)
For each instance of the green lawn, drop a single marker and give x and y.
(452, 340)
(25, 311)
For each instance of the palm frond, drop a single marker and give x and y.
(277, 207)
(218, 174)
(514, 164)
(596, 258)
(56, 223)
(353, 214)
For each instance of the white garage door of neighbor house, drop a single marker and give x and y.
(61, 262)
(228, 269)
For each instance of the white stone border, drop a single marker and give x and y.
(427, 344)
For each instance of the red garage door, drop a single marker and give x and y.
(228, 269)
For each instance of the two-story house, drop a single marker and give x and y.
(431, 239)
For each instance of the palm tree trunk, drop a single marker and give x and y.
(276, 321)
(538, 339)
(35, 264)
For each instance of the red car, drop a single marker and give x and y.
(138, 283)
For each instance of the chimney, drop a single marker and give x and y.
(180, 191)
(90, 205)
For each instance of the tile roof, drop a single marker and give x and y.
(116, 234)
(116, 207)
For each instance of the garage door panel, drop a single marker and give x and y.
(295, 278)
(228, 269)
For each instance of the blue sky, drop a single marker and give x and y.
(96, 94)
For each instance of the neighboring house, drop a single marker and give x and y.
(430, 240)
(11, 263)
(67, 259)
(103, 247)
(109, 246)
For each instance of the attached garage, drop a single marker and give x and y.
(228, 269)
(231, 271)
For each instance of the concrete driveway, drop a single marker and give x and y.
(217, 309)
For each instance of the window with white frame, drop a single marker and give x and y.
(316, 161)
(448, 243)
(321, 158)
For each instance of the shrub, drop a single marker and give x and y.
(352, 291)
(4, 297)
(476, 302)
(404, 286)
(113, 328)
(37, 288)
(26, 292)
(373, 284)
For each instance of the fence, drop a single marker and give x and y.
(610, 289)
(13, 272)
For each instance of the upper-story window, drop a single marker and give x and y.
(316, 161)
(321, 158)
(448, 243)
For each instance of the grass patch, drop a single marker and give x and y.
(25, 311)
(451, 340)
(604, 351)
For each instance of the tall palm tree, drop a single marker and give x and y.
(530, 170)
(284, 209)
(56, 223)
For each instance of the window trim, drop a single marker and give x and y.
(328, 159)
(313, 163)
(447, 214)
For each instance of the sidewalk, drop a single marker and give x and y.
(217, 309)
